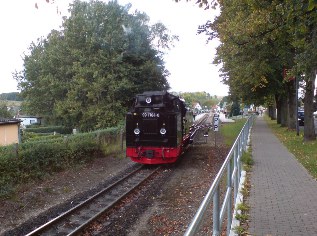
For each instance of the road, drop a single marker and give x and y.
(301, 128)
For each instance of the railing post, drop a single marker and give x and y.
(243, 137)
(235, 161)
(242, 140)
(246, 133)
(233, 169)
(229, 205)
(216, 212)
(238, 159)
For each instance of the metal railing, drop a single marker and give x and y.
(233, 178)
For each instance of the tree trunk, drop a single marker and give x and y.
(278, 108)
(270, 109)
(309, 127)
(272, 112)
(292, 117)
(284, 111)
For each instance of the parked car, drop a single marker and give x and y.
(301, 117)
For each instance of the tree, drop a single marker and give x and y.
(14, 96)
(203, 98)
(4, 112)
(303, 24)
(258, 40)
(85, 75)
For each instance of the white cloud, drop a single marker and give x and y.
(22, 23)
(190, 62)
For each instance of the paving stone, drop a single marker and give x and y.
(283, 196)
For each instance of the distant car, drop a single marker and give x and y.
(301, 117)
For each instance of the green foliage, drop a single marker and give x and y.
(223, 100)
(9, 169)
(4, 113)
(259, 39)
(85, 75)
(37, 159)
(247, 159)
(243, 207)
(203, 98)
(7, 151)
(235, 108)
(243, 218)
(14, 96)
(34, 125)
(50, 129)
(231, 130)
(312, 5)
(43, 137)
(240, 230)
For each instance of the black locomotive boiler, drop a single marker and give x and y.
(157, 128)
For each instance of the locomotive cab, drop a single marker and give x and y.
(155, 128)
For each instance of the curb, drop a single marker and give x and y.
(239, 200)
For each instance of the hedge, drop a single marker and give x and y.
(50, 129)
(36, 159)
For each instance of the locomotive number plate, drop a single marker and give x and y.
(150, 115)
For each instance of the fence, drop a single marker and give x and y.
(233, 179)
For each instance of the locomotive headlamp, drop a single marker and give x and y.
(148, 100)
(136, 131)
(162, 131)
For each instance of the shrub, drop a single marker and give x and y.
(41, 158)
(50, 129)
(8, 173)
(43, 155)
(31, 137)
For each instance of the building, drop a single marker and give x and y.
(29, 120)
(9, 131)
(197, 107)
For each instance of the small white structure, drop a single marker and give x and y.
(29, 120)
(197, 106)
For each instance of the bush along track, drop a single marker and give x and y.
(34, 160)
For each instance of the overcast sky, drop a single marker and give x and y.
(189, 62)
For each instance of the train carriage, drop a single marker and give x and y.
(157, 128)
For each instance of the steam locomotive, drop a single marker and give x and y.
(158, 128)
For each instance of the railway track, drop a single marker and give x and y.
(75, 220)
(199, 125)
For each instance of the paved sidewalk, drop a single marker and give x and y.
(283, 196)
(223, 118)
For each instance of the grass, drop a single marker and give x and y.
(240, 230)
(247, 160)
(230, 131)
(243, 217)
(305, 152)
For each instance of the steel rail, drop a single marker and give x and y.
(199, 125)
(47, 226)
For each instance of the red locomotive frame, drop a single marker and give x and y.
(157, 128)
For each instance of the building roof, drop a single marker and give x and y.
(27, 116)
(4, 121)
